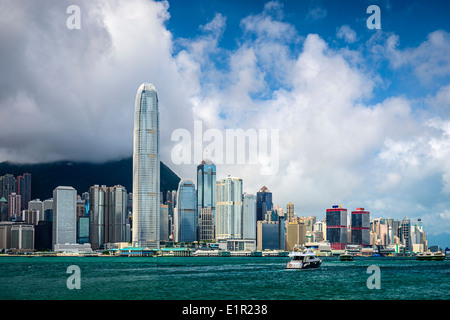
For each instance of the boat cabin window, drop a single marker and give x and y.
(298, 258)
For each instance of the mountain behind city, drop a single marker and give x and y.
(82, 175)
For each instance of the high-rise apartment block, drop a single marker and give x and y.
(229, 208)
(289, 212)
(24, 189)
(107, 215)
(14, 205)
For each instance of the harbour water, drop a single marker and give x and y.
(220, 278)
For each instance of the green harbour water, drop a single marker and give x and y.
(220, 278)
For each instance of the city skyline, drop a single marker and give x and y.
(362, 114)
(101, 212)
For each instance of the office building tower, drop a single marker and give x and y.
(3, 209)
(318, 230)
(7, 185)
(418, 236)
(14, 204)
(98, 197)
(229, 208)
(117, 211)
(22, 236)
(64, 216)
(5, 234)
(187, 211)
(81, 208)
(37, 205)
(24, 189)
(360, 227)
(271, 215)
(43, 236)
(309, 222)
(206, 187)
(206, 225)
(30, 216)
(249, 216)
(146, 169)
(48, 210)
(85, 198)
(405, 234)
(263, 203)
(289, 212)
(107, 215)
(271, 235)
(296, 234)
(164, 220)
(336, 219)
(83, 229)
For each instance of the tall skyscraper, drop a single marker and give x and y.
(24, 189)
(263, 203)
(249, 216)
(360, 227)
(3, 209)
(405, 234)
(64, 216)
(206, 225)
(187, 211)
(164, 220)
(107, 215)
(206, 187)
(336, 219)
(229, 208)
(14, 203)
(7, 185)
(146, 169)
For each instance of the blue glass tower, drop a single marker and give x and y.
(187, 211)
(206, 187)
(263, 203)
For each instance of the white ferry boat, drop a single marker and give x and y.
(439, 256)
(303, 258)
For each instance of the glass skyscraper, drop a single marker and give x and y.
(64, 215)
(206, 187)
(187, 211)
(336, 219)
(263, 203)
(360, 227)
(249, 216)
(146, 170)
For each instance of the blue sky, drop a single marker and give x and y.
(363, 115)
(411, 21)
